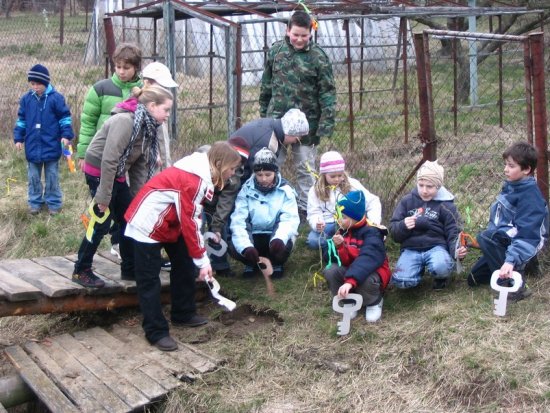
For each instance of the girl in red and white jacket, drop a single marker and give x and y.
(166, 213)
(362, 253)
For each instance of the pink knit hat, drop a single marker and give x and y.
(331, 161)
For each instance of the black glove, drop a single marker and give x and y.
(277, 249)
(251, 255)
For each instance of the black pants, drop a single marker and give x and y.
(120, 200)
(182, 286)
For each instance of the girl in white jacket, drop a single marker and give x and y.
(333, 182)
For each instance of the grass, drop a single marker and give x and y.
(431, 352)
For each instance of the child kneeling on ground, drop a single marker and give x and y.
(265, 221)
(426, 224)
(360, 248)
(518, 222)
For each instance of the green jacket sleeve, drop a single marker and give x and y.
(88, 121)
(266, 86)
(327, 98)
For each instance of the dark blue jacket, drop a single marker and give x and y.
(520, 212)
(437, 222)
(41, 123)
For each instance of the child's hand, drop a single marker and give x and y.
(461, 253)
(65, 142)
(338, 239)
(344, 290)
(320, 226)
(506, 270)
(205, 273)
(81, 164)
(19, 145)
(410, 222)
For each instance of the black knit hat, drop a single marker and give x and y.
(265, 160)
(39, 74)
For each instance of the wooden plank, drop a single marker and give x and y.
(3, 295)
(16, 289)
(67, 379)
(119, 360)
(145, 363)
(65, 268)
(72, 367)
(107, 255)
(108, 270)
(2, 409)
(186, 357)
(39, 382)
(49, 282)
(110, 377)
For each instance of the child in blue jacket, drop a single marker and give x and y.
(518, 222)
(265, 221)
(43, 125)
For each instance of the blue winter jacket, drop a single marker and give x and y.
(437, 221)
(521, 212)
(275, 213)
(41, 123)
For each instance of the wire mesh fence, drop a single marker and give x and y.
(374, 63)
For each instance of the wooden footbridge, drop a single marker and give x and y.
(97, 370)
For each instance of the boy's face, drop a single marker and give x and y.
(513, 170)
(335, 178)
(125, 71)
(299, 36)
(346, 222)
(38, 88)
(265, 179)
(426, 189)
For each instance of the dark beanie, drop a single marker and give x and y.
(353, 205)
(265, 160)
(39, 74)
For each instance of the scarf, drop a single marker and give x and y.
(142, 121)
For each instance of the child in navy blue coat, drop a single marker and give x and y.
(43, 125)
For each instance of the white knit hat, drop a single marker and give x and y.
(295, 123)
(331, 161)
(160, 74)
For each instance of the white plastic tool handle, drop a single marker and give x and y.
(215, 290)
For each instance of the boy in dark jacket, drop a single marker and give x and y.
(518, 222)
(361, 250)
(426, 224)
(43, 125)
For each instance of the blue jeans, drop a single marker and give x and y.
(314, 238)
(410, 266)
(493, 245)
(50, 195)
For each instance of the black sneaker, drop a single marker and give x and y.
(87, 278)
(194, 321)
(166, 344)
(440, 283)
(523, 292)
(165, 265)
(249, 272)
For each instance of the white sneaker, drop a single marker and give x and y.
(115, 251)
(374, 312)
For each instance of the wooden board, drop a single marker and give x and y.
(65, 267)
(49, 282)
(2, 409)
(16, 289)
(69, 367)
(39, 382)
(107, 375)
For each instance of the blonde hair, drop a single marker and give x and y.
(222, 157)
(154, 93)
(323, 189)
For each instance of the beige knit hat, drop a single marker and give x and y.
(432, 172)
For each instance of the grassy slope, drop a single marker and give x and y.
(432, 351)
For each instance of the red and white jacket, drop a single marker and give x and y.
(170, 205)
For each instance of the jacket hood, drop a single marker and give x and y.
(197, 163)
(519, 186)
(442, 194)
(129, 105)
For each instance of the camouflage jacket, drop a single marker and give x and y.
(300, 79)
